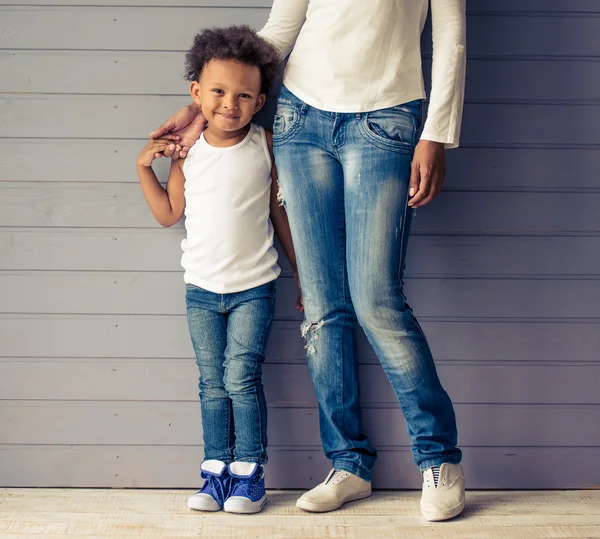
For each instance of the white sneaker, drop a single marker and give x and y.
(338, 488)
(447, 499)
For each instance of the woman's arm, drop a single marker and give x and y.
(284, 24)
(444, 116)
(167, 204)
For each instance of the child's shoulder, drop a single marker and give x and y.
(260, 127)
(268, 133)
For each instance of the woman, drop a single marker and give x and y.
(352, 172)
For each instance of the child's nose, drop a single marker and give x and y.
(231, 103)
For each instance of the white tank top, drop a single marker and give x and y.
(229, 243)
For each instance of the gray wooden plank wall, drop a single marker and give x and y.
(97, 377)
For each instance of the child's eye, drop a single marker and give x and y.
(245, 96)
(217, 91)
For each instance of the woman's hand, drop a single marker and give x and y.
(187, 124)
(155, 149)
(427, 173)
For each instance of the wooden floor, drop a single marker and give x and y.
(116, 514)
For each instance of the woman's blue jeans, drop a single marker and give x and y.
(344, 181)
(229, 334)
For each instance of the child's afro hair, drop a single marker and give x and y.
(233, 43)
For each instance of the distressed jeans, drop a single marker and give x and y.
(344, 181)
(229, 333)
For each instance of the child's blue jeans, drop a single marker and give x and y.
(229, 334)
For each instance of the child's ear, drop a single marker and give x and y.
(260, 102)
(195, 92)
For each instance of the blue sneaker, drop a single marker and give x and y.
(248, 493)
(215, 490)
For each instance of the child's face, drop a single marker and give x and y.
(229, 93)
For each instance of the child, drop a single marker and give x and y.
(227, 188)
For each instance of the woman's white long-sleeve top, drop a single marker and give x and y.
(362, 55)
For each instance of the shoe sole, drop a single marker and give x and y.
(242, 506)
(450, 513)
(312, 507)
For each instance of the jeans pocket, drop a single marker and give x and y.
(394, 128)
(288, 120)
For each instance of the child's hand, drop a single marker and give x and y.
(299, 302)
(154, 149)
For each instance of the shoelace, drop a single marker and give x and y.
(245, 483)
(220, 486)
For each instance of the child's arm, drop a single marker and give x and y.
(278, 215)
(281, 223)
(167, 205)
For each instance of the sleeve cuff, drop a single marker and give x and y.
(448, 144)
